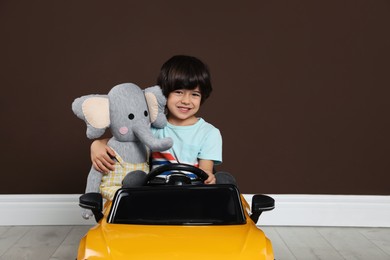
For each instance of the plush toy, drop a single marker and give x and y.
(128, 112)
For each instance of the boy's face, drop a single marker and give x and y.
(183, 104)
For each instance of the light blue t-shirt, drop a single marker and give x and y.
(190, 143)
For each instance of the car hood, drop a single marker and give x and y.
(182, 242)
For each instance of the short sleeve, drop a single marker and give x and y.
(211, 148)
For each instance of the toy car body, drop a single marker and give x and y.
(176, 222)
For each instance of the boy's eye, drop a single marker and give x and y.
(196, 94)
(179, 92)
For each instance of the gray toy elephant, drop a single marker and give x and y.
(129, 112)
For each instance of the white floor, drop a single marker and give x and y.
(61, 242)
(329, 243)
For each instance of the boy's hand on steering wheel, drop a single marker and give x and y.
(207, 167)
(211, 179)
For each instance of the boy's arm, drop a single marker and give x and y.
(207, 166)
(100, 156)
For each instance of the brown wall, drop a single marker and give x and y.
(301, 88)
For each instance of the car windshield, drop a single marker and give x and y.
(178, 205)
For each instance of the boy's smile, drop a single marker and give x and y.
(183, 104)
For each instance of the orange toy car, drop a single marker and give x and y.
(177, 219)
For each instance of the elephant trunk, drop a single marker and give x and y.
(146, 137)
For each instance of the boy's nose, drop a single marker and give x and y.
(185, 99)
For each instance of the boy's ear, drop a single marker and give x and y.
(156, 104)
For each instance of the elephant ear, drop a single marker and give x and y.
(94, 110)
(156, 104)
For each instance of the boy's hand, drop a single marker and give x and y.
(101, 156)
(207, 167)
(210, 180)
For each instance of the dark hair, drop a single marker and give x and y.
(185, 72)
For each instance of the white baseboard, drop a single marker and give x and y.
(290, 210)
(328, 210)
(48, 209)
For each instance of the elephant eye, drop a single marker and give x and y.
(146, 113)
(131, 116)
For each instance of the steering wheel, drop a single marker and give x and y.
(176, 175)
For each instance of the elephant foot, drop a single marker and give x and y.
(225, 178)
(134, 179)
(86, 213)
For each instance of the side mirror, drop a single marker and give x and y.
(261, 203)
(94, 202)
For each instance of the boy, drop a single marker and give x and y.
(185, 81)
